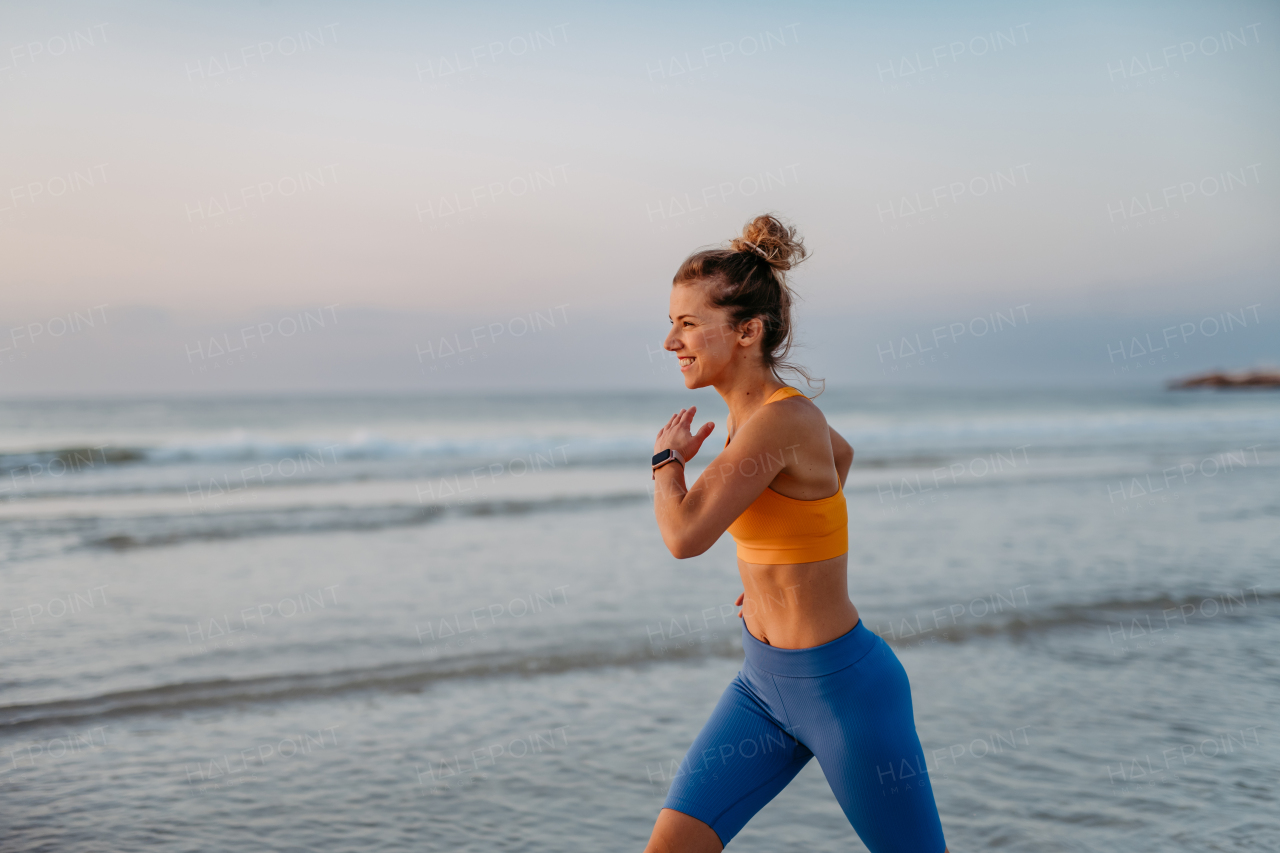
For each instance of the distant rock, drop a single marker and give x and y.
(1218, 379)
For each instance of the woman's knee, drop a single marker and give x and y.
(677, 832)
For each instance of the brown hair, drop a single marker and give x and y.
(750, 280)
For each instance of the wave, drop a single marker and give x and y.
(262, 512)
(1120, 616)
(388, 678)
(237, 525)
(896, 438)
(63, 460)
(24, 536)
(240, 447)
(1124, 616)
(210, 481)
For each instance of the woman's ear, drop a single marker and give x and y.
(750, 331)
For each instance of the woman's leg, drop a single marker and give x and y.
(859, 724)
(739, 762)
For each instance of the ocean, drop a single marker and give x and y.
(449, 623)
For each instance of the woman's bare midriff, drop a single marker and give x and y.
(797, 606)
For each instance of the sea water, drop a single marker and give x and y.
(449, 623)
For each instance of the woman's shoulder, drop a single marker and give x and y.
(794, 414)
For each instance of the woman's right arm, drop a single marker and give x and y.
(692, 518)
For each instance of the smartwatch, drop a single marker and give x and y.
(666, 457)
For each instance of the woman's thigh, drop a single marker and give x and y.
(859, 723)
(739, 762)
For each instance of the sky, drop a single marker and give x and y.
(330, 197)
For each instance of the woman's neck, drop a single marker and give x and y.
(743, 395)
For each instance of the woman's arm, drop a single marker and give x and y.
(844, 454)
(692, 519)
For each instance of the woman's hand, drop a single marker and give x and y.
(676, 435)
(738, 603)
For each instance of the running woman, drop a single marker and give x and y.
(815, 682)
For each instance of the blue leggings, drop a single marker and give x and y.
(849, 703)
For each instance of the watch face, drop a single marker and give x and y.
(662, 457)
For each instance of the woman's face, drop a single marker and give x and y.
(701, 336)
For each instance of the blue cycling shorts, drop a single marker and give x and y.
(848, 702)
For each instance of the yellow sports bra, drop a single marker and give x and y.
(777, 529)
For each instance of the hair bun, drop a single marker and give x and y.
(773, 240)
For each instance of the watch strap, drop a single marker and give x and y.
(666, 457)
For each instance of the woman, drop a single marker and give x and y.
(815, 681)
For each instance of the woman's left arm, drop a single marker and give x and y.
(843, 452)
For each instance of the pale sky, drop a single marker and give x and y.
(198, 169)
